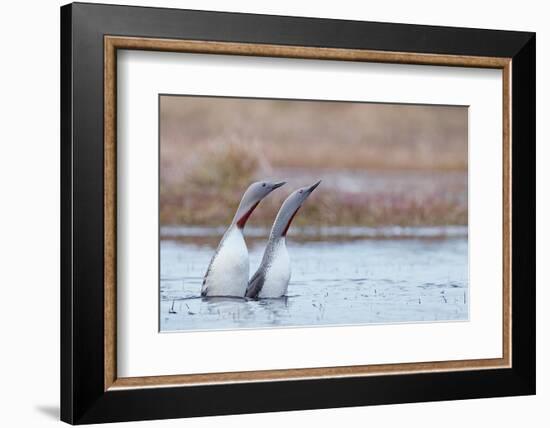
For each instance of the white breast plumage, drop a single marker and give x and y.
(277, 273)
(229, 270)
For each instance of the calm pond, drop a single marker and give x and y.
(339, 277)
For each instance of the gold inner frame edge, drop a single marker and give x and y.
(113, 43)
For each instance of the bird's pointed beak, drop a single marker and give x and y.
(278, 184)
(313, 187)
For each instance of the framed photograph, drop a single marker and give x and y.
(266, 213)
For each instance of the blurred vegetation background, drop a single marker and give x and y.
(381, 164)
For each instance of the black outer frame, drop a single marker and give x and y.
(83, 399)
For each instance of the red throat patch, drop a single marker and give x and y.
(242, 221)
(290, 221)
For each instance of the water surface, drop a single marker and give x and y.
(337, 279)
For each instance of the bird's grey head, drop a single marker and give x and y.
(289, 209)
(251, 198)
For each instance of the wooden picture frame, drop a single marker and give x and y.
(91, 391)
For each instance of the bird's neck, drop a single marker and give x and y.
(282, 223)
(243, 213)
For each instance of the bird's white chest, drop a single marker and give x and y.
(277, 275)
(228, 275)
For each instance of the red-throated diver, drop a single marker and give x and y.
(227, 274)
(272, 277)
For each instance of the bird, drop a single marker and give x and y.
(272, 277)
(227, 273)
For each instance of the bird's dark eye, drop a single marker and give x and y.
(263, 185)
(301, 191)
